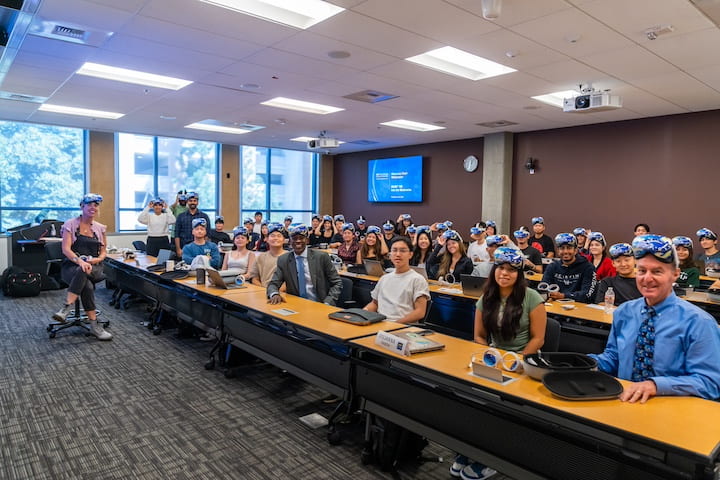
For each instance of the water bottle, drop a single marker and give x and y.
(609, 300)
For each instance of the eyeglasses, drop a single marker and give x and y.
(399, 250)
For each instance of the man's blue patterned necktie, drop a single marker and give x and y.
(302, 285)
(645, 347)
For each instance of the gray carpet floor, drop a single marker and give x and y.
(143, 407)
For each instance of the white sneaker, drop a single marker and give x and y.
(61, 315)
(97, 330)
(460, 462)
(477, 471)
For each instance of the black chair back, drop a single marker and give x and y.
(139, 245)
(552, 336)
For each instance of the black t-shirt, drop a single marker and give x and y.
(625, 289)
(533, 255)
(217, 237)
(543, 244)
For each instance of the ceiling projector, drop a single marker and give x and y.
(592, 102)
(323, 142)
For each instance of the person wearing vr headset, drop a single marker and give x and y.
(184, 223)
(402, 294)
(582, 238)
(402, 223)
(254, 237)
(662, 344)
(388, 232)
(490, 227)
(180, 204)
(448, 259)
(423, 246)
(477, 250)
(597, 248)
(573, 273)
(533, 258)
(159, 221)
(306, 273)
(689, 273)
(83, 244)
(710, 257)
(201, 245)
(374, 247)
(239, 257)
(325, 232)
(623, 282)
(541, 242)
(511, 316)
(360, 228)
(349, 248)
(262, 270)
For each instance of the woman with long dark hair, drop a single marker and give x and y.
(449, 259)
(689, 272)
(509, 316)
(374, 246)
(423, 246)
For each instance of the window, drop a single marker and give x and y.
(278, 183)
(148, 167)
(43, 172)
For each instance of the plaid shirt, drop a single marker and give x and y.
(183, 226)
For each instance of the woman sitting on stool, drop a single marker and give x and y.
(83, 244)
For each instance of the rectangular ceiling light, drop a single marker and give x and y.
(556, 98)
(132, 76)
(211, 127)
(301, 106)
(410, 125)
(300, 14)
(84, 112)
(462, 64)
(307, 139)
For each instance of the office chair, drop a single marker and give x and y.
(140, 246)
(53, 260)
(345, 300)
(78, 318)
(552, 336)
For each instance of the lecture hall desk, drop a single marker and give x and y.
(521, 429)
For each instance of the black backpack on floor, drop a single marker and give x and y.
(391, 444)
(16, 282)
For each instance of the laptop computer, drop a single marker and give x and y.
(471, 285)
(374, 268)
(162, 257)
(217, 280)
(421, 270)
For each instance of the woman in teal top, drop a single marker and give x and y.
(689, 273)
(510, 316)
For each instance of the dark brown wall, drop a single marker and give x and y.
(449, 192)
(660, 171)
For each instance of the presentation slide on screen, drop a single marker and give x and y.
(395, 180)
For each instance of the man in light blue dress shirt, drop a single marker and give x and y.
(684, 353)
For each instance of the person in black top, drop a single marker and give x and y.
(218, 235)
(449, 259)
(539, 240)
(533, 258)
(623, 284)
(389, 233)
(360, 228)
(254, 237)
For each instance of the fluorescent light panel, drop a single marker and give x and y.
(556, 98)
(295, 13)
(301, 106)
(217, 128)
(307, 139)
(410, 125)
(84, 112)
(460, 63)
(132, 76)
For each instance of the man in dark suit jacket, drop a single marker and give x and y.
(319, 281)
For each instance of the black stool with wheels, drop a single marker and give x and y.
(77, 318)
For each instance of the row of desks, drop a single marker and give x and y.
(518, 428)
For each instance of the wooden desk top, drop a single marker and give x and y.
(533, 276)
(310, 315)
(708, 279)
(700, 297)
(582, 311)
(683, 422)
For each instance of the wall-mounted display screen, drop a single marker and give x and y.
(395, 179)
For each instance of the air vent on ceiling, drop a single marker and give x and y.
(370, 96)
(68, 32)
(496, 124)
(363, 142)
(63, 31)
(21, 97)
